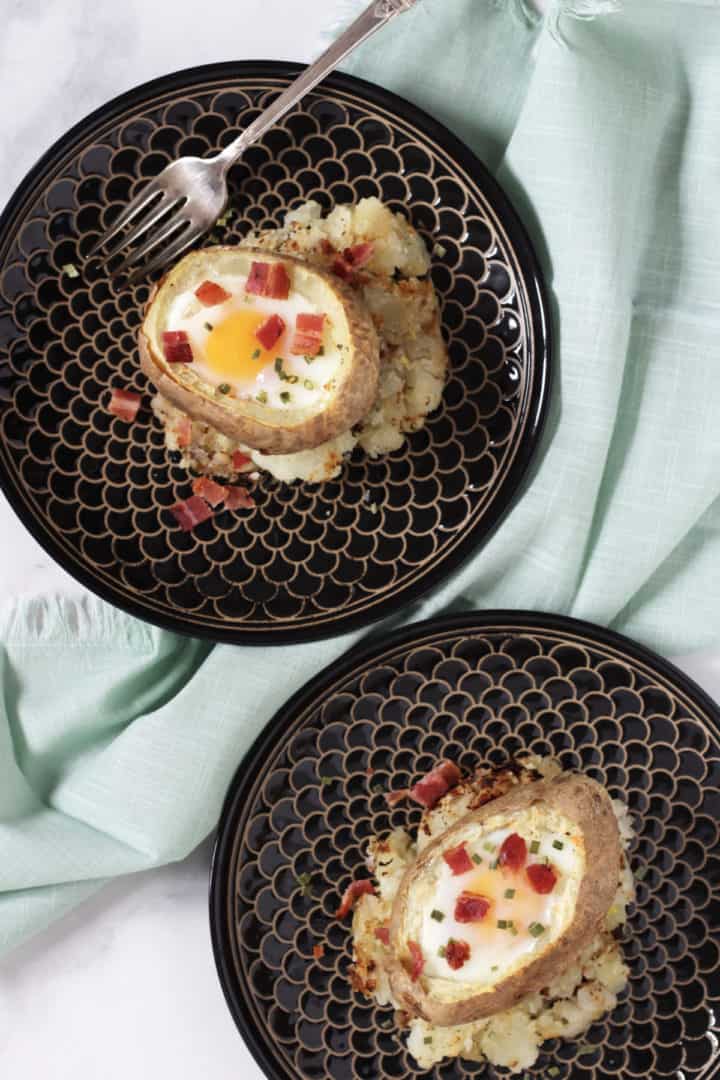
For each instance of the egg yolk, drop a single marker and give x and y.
(523, 907)
(233, 351)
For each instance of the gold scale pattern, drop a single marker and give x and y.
(478, 696)
(309, 557)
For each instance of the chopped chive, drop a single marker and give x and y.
(642, 873)
(509, 893)
(586, 1049)
(291, 379)
(304, 882)
(325, 780)
(534, 847)
(489, 847)
(428, 1040)
(437, 915)
(553, 1071)
(262, 397)
(71, 270)
(494, 967)
(285, 396)
(208, 326)
(441, 952)
(308, 384)
(377, 789)
(494, 865)
(256, 355)
(558, 845)
(224, 218)
(278, 364)
(309, 359)
(536, 929)
(224, 388)
(502, 924)
(476, 859)
(514, 931)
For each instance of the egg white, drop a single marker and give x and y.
(497, 953)
(314, 380)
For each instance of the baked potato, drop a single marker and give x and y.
(256, 389)
(501, 903)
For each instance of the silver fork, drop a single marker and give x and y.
(188, 196)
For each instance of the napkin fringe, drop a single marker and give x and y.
(82, 620)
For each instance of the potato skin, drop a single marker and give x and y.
(582, 801)
(351, 403)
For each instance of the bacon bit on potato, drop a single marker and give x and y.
(318, 951)
(356, 889)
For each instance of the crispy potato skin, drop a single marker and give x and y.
(584, 802)
(351, 403)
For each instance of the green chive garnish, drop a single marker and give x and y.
(441, 952)
(291, 379)
(586, 1049)
(285, 396)
(437, 915)
(224, 218)
(477, 860)
(558, 845)
(494, 865)
(325, 780)
(309, 359)
(278, 364)
(262, 397)
(304, 882)
(224, 388)
(494, 967)
(428, 1040)
(553, 1071)
(257, 354)
(642, 873)
(536, 929)
(308, 384)
(489, 847)
(535, 847)
(509, 893)
(71, 270)
(502, 924)
(377, 789)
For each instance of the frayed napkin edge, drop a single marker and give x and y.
(68, 620)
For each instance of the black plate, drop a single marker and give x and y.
(478, 688)
(311, 560)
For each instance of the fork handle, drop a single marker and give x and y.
(372, 19)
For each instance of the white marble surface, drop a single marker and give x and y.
(126, 986)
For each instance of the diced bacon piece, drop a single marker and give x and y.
(417, 960)
(457, 953)
(542, 878)
(258, 279)
(359, 254)
(124, 404)
(278, 283)
(342, 268)
(308, 335)
(326, 247)
(210, 294)
(208, 490)
(318, 951)
(240, 460)
(191, 512)
(183, 431)
(394, 797)
(238, 498)
(356, 889)
(307, 323)
(471, 907)
(513, 852)
(382, 933)
(270, 332)
(458, 860)
(437, 783)
(177, 348)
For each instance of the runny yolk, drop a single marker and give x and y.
(523, 908)
(233, 351)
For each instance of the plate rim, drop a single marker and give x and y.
(314, 688)
(528, 456)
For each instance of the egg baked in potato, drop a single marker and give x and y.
(288, 352)
(492, 930)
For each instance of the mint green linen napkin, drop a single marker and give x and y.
(117, 741)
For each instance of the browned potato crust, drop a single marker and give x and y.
(582, 801)
(269, 430)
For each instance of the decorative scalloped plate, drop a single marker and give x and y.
(478, 688)
(310, 560)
